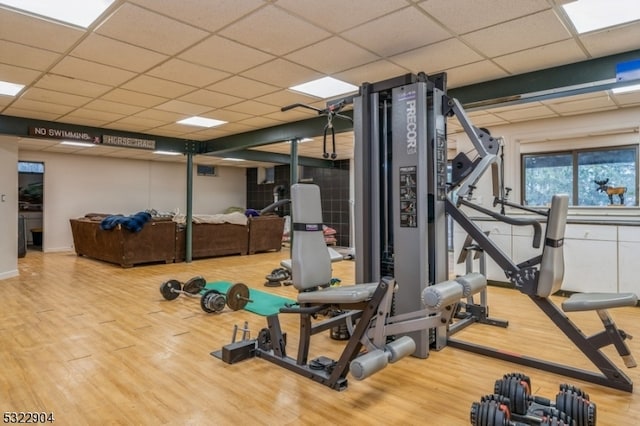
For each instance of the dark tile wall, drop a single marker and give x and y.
(334, 191)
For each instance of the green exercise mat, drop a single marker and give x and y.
(263, 303)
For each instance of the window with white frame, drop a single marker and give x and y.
(591, 177)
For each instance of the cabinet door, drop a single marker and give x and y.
(590, 253)
(628, 264)
(499, 233)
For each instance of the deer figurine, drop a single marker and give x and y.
(611, 190)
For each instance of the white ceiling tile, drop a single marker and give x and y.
(18, 75)
(220, 53)
(407, 30)
(243, 87)
(183, 107)
(26, 56)
(133, 98)
(44, 95)
(520, 34)
(54, 108)
(206, 14)
(5, 100)
(588, 104)
(260, 122)
(91, 71)
(232, 128)
(437, 57)
(164, 116)
(588, 111)
(291, 115)
(613, 40)
(463, 16)
(332, 55)
(253, 108)
(115, 53)
(473, 73)
(98, 116)
(31, 113)
(274, 30)
(61, 83)
(135, 25)
(187, 73)
(284, 98)
(127, 126)
(339, 15)
(282, 73)
(228, 115)
(138, 122)
(157, 86)
(115, 107)
(530, 113)
(375, 71)
(550, 55)
(209, 98)
(630, 98)
(40, 33)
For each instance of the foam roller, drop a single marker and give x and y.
(368, 364)
(442, 294)
(472, 283)
(400, 348)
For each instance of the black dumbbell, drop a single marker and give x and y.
(493, 410)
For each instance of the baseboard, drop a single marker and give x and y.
(57, 249)
(9, 274)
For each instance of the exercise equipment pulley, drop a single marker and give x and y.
(236, 297)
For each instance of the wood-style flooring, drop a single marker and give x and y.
(96, 344)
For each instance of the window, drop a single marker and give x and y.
(576, 172)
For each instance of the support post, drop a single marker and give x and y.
(188, 230)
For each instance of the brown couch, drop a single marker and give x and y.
(210, 240)
(265, 233)
(154, 243)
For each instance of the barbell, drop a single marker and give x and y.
(236, 297)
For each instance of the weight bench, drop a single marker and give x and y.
(363, 308)
(542, 276)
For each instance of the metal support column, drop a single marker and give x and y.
(189, 228)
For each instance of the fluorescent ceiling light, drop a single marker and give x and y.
(73, 143)
(10, 89)
(167, 153)
(201, 122)
(325, 87)
(76, 12)
(591, 15)
(233, 159)
(625, 89)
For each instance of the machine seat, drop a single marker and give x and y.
(597, 301)
(338, 295)
(334, 255)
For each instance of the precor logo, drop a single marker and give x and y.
(411, 127)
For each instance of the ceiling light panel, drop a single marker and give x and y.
(591, 15)
(326, 87)
(201, 122)
(10, 89)
(81, 13)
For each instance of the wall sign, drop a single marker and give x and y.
(129, 142)
(53, 133)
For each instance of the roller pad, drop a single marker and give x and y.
(442, 294)
(368, 364)
(472, 283)
(400, 348)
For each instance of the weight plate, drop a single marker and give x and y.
(238, 296)
(167, 289)
(212, 301)
(195, 285)
(264, 339)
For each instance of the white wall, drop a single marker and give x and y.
(78, 184)
(8, 207)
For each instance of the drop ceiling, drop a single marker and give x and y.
(145, 64)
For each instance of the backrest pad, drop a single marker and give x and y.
(310, 260)
(552, 262)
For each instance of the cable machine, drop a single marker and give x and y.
(401, 172)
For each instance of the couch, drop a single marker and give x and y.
(154, 243)
(163, 240)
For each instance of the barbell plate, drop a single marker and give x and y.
(237, 296)
(167, 289)
(195, 285)
(212, 301)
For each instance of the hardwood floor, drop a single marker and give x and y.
(93, 343)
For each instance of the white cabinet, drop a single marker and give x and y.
(499, 233)
(628, 259)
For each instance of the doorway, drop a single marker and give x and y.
(30, 202)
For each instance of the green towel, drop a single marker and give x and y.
(263, 303)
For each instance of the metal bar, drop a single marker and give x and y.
(272, 157)
(189, 216)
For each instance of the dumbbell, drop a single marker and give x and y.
(236, 297)
(493, 410)
(570, 401)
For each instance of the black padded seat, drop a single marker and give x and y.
(596, 301)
